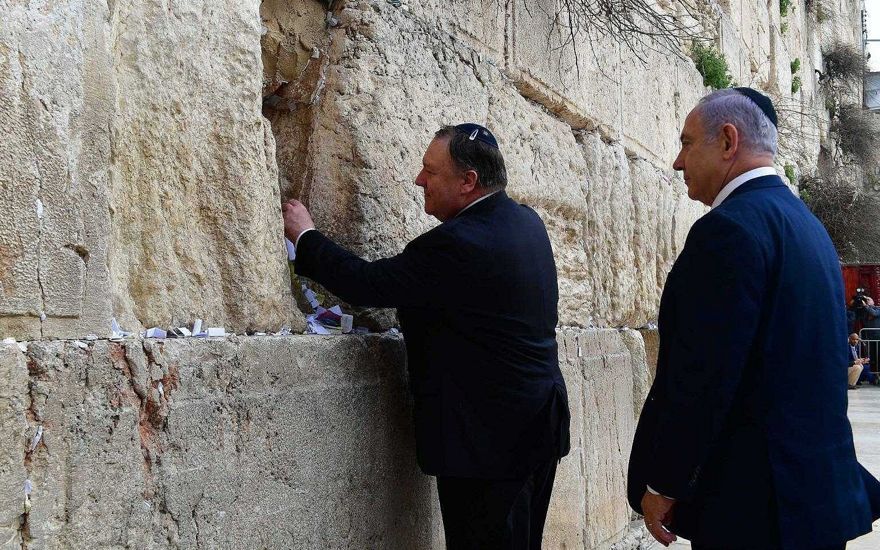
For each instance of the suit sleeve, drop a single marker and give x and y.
(423, 274)
(719, 285)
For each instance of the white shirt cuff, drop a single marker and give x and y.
(653, 492)
(300, 236)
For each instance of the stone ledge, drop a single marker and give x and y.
(217, 443)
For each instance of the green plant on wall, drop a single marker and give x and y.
(795, 84)
(796, 65)
(783, 28)
(820, 9)
(783, 7)
(831, 106)
(789, 173)
(712, 65)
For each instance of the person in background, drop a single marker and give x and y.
(860, 362)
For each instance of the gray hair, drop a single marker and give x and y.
(757, 133)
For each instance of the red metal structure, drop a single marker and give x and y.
(865, 276)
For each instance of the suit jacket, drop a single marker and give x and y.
(859, 352)
(756, 289)
(477, 303)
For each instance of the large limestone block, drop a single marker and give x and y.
(592, 480)
(136, 170)
(273, 442)
(651, 87)
(480, 23)
(388, 87)
(610, 227)
(195, 203)
(55, 104)
(298, 442)
(589, 507)
(757, 24)
(579, 77)
(734, 52)
(13, 444)
(547, 172)
(642, 378)
(664, 215)
(566, 519)
(843, 22)
(651, 337)
(746, 31)
(318, 440)
(637, 220)
(91, 471)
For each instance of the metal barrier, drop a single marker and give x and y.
(871, 344)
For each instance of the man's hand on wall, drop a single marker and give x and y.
(296, 219)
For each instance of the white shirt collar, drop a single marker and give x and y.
(741, 179)
(484, 197)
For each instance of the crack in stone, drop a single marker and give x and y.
(32, 415)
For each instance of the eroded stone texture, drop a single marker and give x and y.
(270, 442)
(261, 442)
(367, 141)
(13, 444)
(589, 508)
(652, 348)
(636, 219)
(582, 86)
(55, 103)
(137, 171)
(641, 374)
(195, 203)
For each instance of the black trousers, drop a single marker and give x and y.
(493, 514)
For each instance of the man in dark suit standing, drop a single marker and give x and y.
(477, 303)
(724, 454)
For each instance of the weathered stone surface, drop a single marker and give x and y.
(589, 509)
(13, 444)
(641, 374)
(602, 228)
(55, 105)
(274, 442)
(195, 216)
(652, 348)
(137, 127)
(137, 171)
(582, 86)
(637, 220)
(218, 443)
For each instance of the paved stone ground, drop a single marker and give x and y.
(864, 414)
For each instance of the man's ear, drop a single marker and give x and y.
(470, 181)
(729, 141)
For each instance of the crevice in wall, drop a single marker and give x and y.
(295, 47)
(33, 444)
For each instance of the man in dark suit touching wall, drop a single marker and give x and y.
(477, 303)
(724, 454)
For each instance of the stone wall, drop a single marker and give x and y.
(138, 176)
(589, 134)
(146, 146)
(274, 442)
(384, 78)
